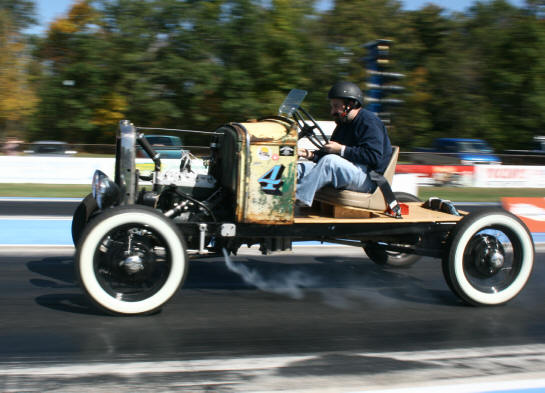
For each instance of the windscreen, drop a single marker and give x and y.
(292, 102)
(159, 141)
(474, 147)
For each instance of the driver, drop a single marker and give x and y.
(358, 145)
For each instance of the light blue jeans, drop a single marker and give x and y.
(332, 170)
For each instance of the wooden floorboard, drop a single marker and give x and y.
(416, 214)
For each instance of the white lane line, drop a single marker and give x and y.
(38, 199)
(240, 364)
(482, 387)
(453, 356)
(466, 352)
(34, 218)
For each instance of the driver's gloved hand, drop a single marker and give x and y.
(319, 154)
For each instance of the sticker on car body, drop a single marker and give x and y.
(287, 150)
(271, 182)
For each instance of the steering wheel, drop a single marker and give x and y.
(309, 130)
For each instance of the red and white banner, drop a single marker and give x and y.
(461, 175)
(509, 176)
(529, 210)
(486, 176)
(430, 170)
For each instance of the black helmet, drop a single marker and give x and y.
(346, 90)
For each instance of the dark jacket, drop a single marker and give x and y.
(366, 141)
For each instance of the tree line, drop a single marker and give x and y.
(196, 64)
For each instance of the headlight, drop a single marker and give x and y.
(105, 191)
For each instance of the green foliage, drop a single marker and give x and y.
(21, 12)
(512, 67)
(198, 64)
(17, 98)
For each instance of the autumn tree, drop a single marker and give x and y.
(17, 99)
(21, 12)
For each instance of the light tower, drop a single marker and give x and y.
(379, 80)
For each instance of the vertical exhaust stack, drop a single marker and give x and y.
(124, 165)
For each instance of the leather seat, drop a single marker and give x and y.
(371, 201)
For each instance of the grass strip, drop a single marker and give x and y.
(473, 194)
(44, 190)
(456, 194)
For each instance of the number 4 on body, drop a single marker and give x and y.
(271, 181)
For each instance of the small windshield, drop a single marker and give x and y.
(474, 147)
(50, 148)
(292, 102)
(160, 141)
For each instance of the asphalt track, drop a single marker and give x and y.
(319, 319)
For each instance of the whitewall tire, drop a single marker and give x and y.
(131, 260)
(490, 258)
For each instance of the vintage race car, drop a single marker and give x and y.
(135, 234)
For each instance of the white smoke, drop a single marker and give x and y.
(289, 285)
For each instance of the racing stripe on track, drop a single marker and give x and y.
(32, 231)
(56, 230)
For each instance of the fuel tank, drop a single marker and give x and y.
(258, 162)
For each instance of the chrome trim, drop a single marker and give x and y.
(179, 130)
(202, 237)
(125, 162)
(246, 170)
(228, 230)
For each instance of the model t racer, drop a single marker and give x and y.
(134, 240)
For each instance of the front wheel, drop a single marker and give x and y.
(131, 260)
(490, 258)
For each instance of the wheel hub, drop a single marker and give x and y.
(133, 264)
(487, 255)
(130, 256)
(495, 259)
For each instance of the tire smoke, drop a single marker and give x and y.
(289, 285)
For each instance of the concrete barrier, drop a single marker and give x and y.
(79, 170)
(62, 170)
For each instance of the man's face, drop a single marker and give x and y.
(338, 111)
(337, 108)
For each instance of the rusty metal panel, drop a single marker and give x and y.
(269, 131)
(268, 166)
(270, 186)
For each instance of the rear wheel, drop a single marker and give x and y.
(490, 258)
(131, 260)
(377, 251)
